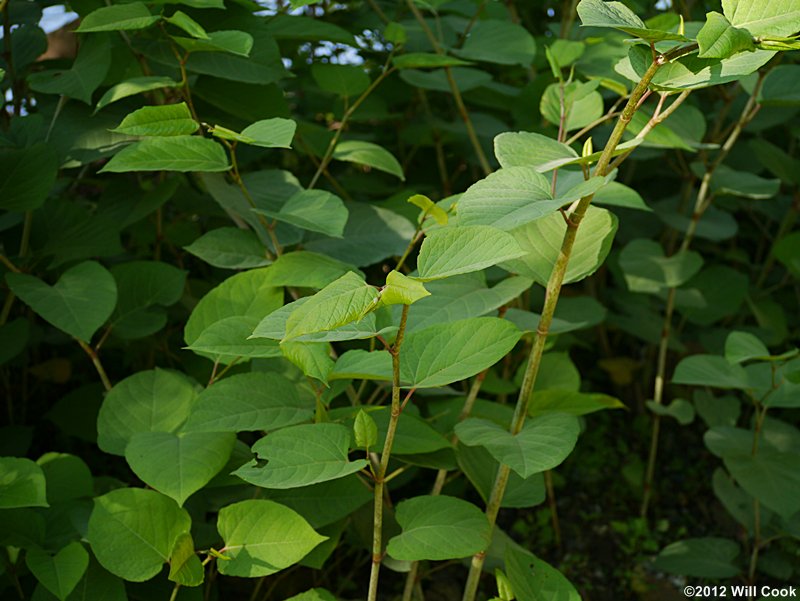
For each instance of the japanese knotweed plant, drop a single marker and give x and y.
(337, 406)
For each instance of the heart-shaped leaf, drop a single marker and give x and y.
(79, 303)
(542, 444)
(180, 464)
(59, 573)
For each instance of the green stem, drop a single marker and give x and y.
(326, 159)
(462, 109)
(97, 364)
(380, 479)
(552, 293)
(702, 202)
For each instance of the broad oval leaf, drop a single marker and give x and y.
(438, 528)
(132, 531)
(700, 557)
(450, 352)
(301, 455)
(162, 120)
(452, 251)
(79, 303)
(59, 573)
(174, 153)
(230, 248)
(313, 210)
(262, 537)
(118, 17)
(369, 154)
(22, 483)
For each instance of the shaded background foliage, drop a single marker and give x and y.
(167, 240)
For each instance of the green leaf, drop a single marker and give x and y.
(229, 248)
(301, 455)
(700, 558)
(743, 346)
(175, 153)
(413, 435)
(402, 290)
(481, 468)
(359, 364)
(571, 402)
(437, 80)
(541, 241)
(83, 78)
(438, 528)
(313, 210)
(118, 17)
(229, 339)
(183, 21)
(776, 18)
(369, 154)
(178, 465)
(426, 60)
(22, 483)
(450, 352)
(343, 80)
(646, 269)
(542, 444)
(300, 27)
(148, 401)
(26, 176)
(162, 120)
(429, 208)
(78, 304)
(184, 564)
(305, 269)
(615, 194)
(249, 294)
(132, 531)
(582, 104)
(143, 288)
(597, 13)
(719, 39)
(133, 86)
(314, 594)
(780, 89)
(499, 41)
(345, 300)
(365, 430)
(680, 409)
(59, 573)
(735, 182)
(267, 133)
(238, 43)
(263, 537)
(522, 148)
(249, 402)
(769, 476)
(452, 251)
(535, 580)
(67, 477)
(313, 358)
(709, 370)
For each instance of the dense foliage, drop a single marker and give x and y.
(283, 314)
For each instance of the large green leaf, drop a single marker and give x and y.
(230, 248)
(710, 370)
(78, 304)
(133, 86)
(438, 528)
(175, 153)
(313, 210)
(118, 17)
(267, 133)
(542, 444)
(67, 477)
(301, 455)
(719, 39)
(178, 464)
(347, 299)
(499, 41)
(184, 564)
(343, 80)
(480, 468)
(26, 176)
(598, 13)
(229, 340)
(148, 401)
(769, 476)
(579, 102)
(249, 402)
(59, 573)
(238, 43)
(22, 483)
(449, 352)
(780, 89)
(775, 18)
(535, 580)
(452, 251)
(369, 154)
(306, 269)
(162, 120)
(646, 269)
(541, 241)
(700, 558)
(744, 346)
(85, 75)
(262, 537)
(522, 148)
(132, 531)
